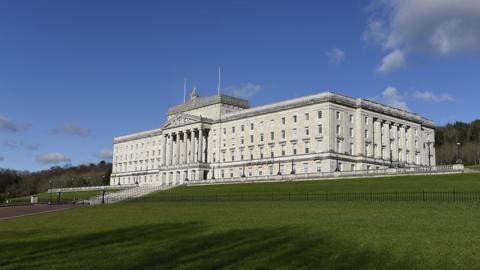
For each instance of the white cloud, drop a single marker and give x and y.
(53, 158)
(244, 91)
(392, 61)
(9, 126)
(391, 97)
(104, 154)
(430, 96)
(71, 129)
(437, 26)
(336, 56)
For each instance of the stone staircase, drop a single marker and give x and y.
(127, 194)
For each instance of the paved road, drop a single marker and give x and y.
(28, 210)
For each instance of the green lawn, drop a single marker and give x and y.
(255, 235)
(458, 182)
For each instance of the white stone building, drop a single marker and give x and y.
(221, 137)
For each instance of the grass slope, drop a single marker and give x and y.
(445, 182)
(254, 235)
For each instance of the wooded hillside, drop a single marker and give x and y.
(467, 134)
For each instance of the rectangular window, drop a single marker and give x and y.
(283, 120)
(261, 137)
(338, 130)
(307, 116)
(338, 115)
(351, 149)
(307, 149)
(307, 131)
(319, 130)
(305, 167)
(366, 134)
(270, 170)
(351, 132)
(283, 150)
(294, 118)
(224, 131)
(241, 141)
(366, 120)
(242, 128)
(251, 138)
(294, 133)
(283, 134)
(251, 126)
(351, 118)
(294, 149)
(319, 114)
(233, 129)
(319, 167)
(272, 135)
(251, 156)
(271, 152)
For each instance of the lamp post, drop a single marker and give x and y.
(243, 173)
(293, 168)
(279, 172)
(429, 156)
(459, 160)
(391, 158)
(337, 168)
(50, 185)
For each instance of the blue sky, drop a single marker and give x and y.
(74, 74)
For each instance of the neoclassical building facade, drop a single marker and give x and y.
(222, 137)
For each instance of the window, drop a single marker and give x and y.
(224, 131)
(261, 137)
(366, 120)
(352, 167)
(261, 153)
(283, 120)
(416, 132)
(271, 152)
(270, 170)
(366, 134)
(351, 149)
(233, 129)
(283, 150)
(233, 155)
(305, 167)
(351, 118)
(367, 149)
(338, 115)
(251, 126)
(307, 116)
(319, 130)
(251, 155)
(241, 155)
(339, 146)
(338, 130)
(251, 138)
(249, 171)
(294, 133)
(319, 167)
(242, 127)
(294, 118)
(283, 134)
(223, 173)
(294, 149)
(351, 132)
(306, 148)
(241, 141)
(260, 172)
(307, 131)
(272, 135)
(319, 114)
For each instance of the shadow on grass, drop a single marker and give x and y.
(191, 246)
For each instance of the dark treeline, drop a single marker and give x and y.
(467, 134)
(20, 183)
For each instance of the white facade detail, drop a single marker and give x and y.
(222, 137)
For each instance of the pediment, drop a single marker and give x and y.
(181, 120)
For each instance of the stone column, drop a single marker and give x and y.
(185, 145)
(164, 149)
(192, 146)
(177, 150)
(170, 150)
(388, 142)
(200, 145)
(396, 140)
(378, 139)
